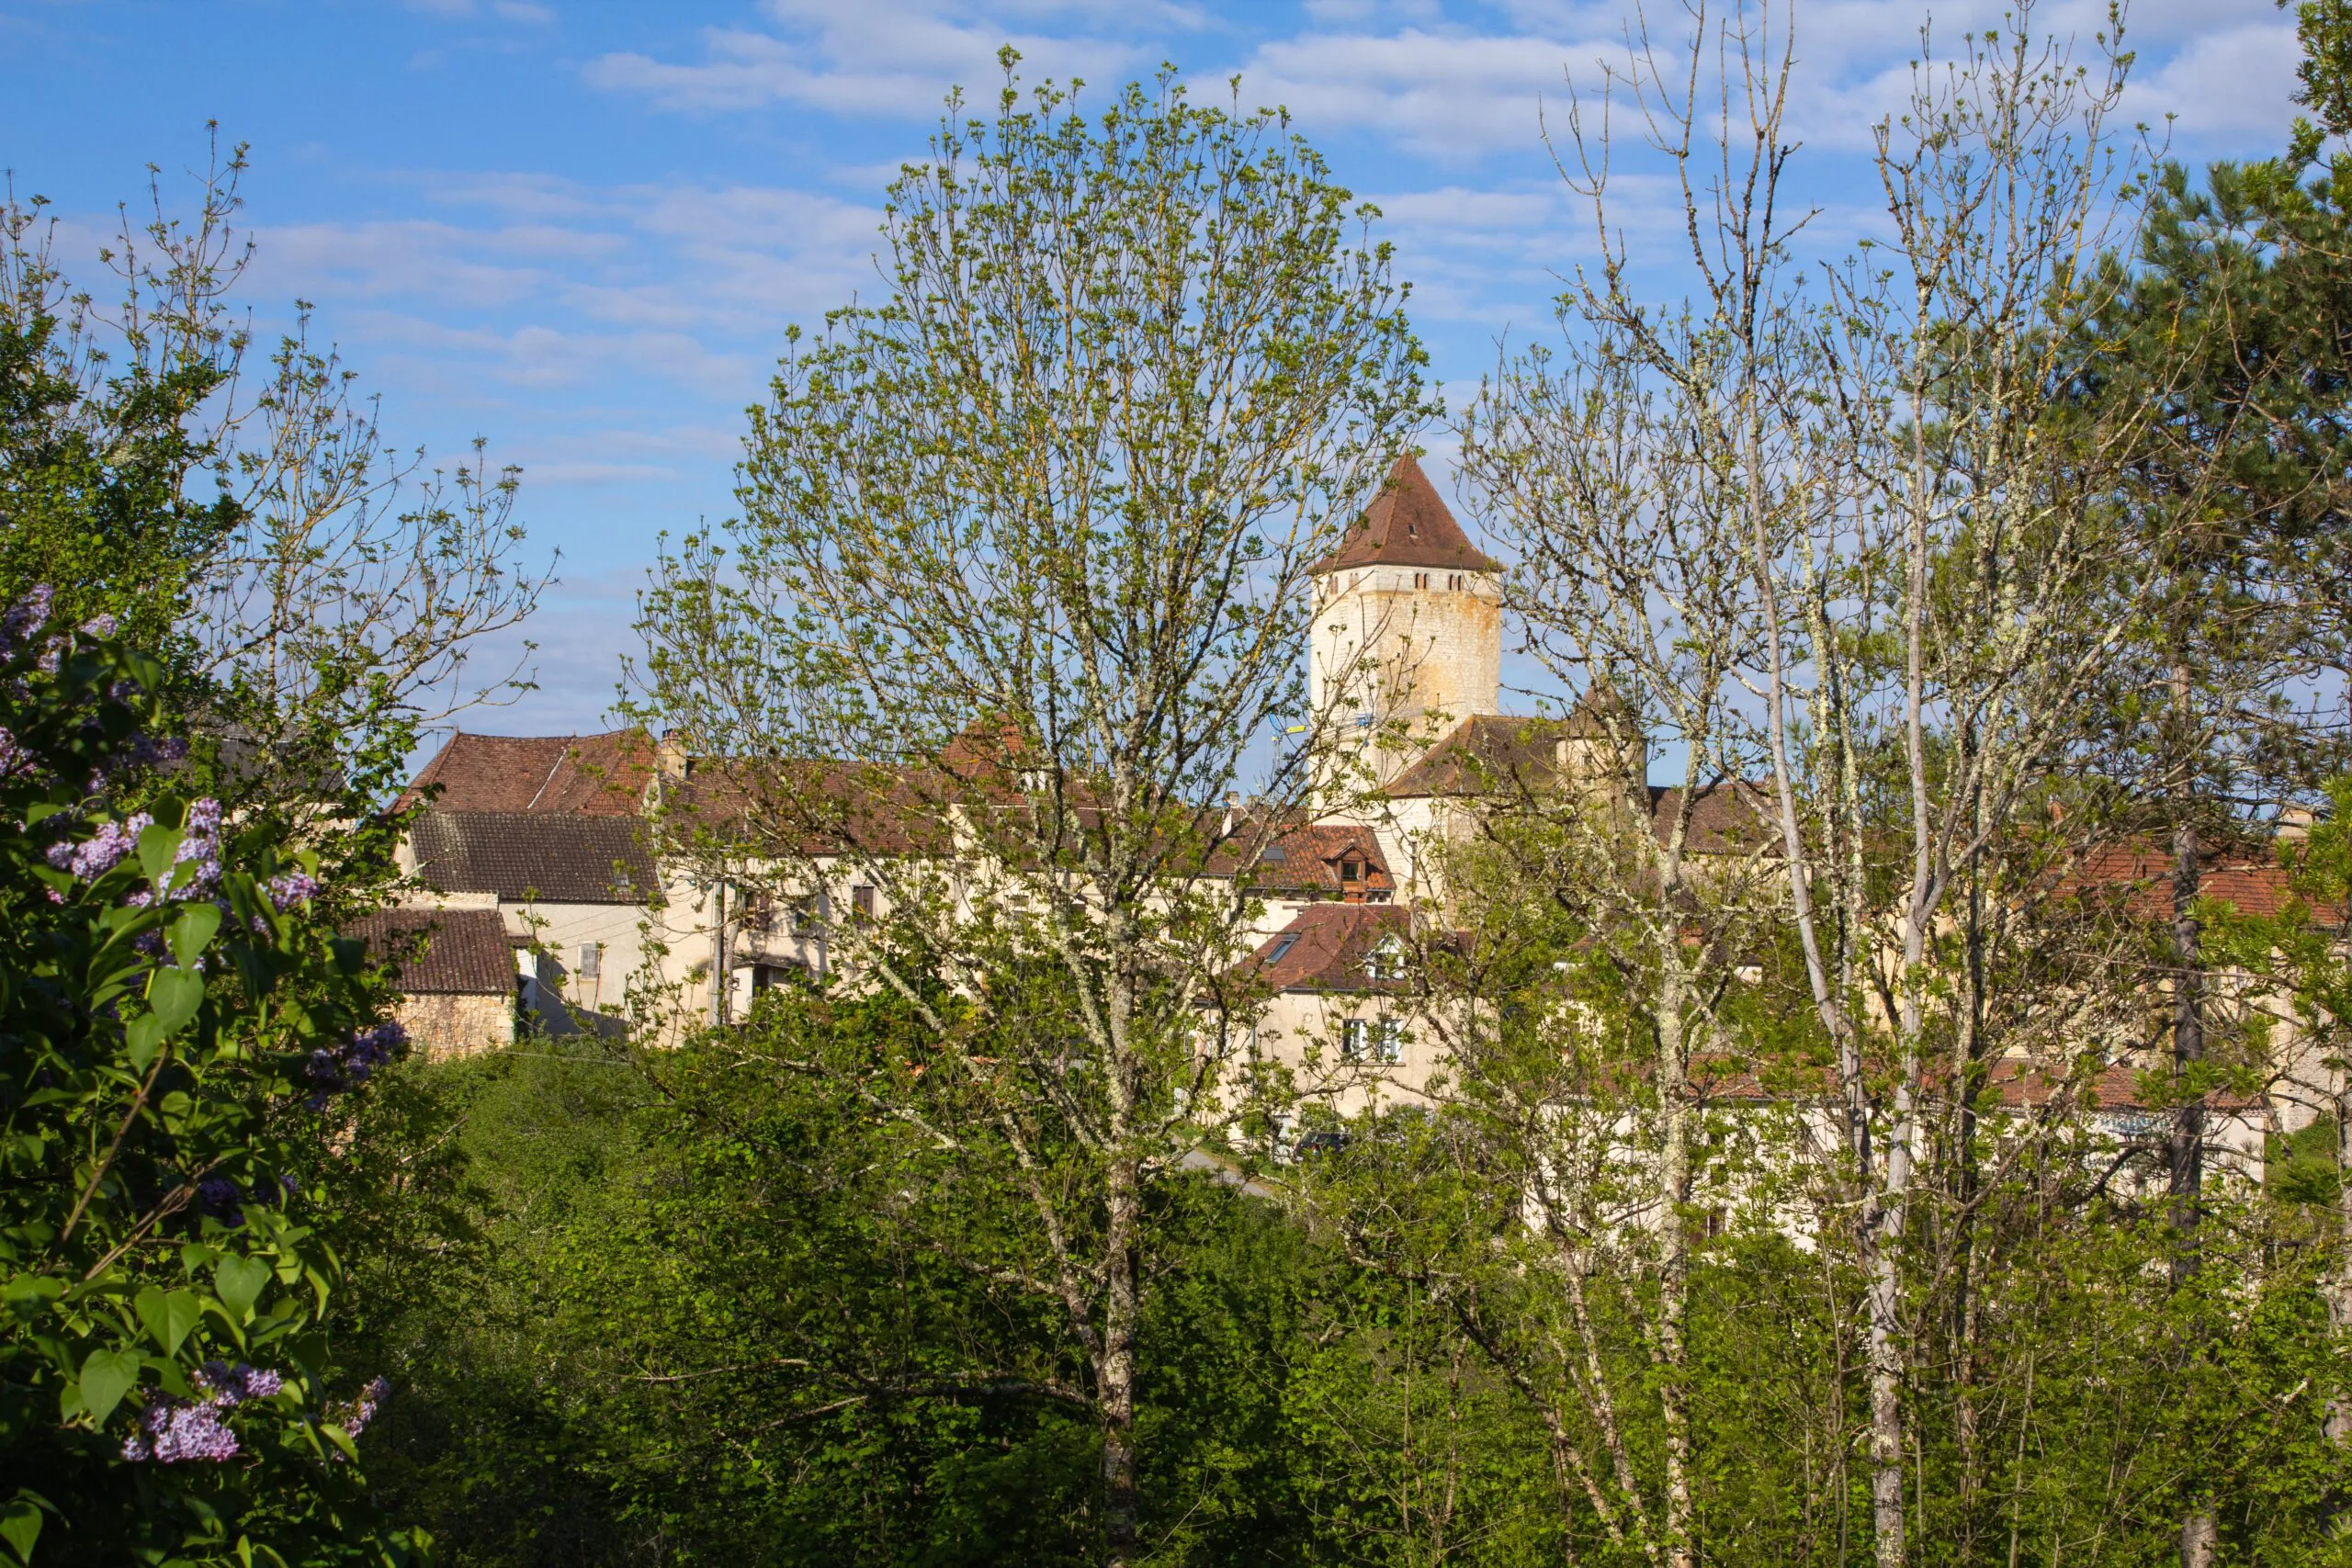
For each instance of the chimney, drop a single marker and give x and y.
(1232, 811)
(2295, 824)
(670, 757)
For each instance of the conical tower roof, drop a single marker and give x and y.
(1408, 525)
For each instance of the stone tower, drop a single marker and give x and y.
(1407, 638)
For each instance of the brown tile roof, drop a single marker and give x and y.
(592, 775)
(1324, 949)
(441, 952)
(1496, 752)
(1407, 525)
(2254, 884)
(1727, 818)
(1486, 751)
(815, 808)
(1305, 862)
(543, 856)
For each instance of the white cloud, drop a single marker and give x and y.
(885, 59)
(507, 10)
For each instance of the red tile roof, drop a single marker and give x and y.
(1498, 753)
(1305, 862)
(2254, 884)
(1324, 949)
(441, 952)
(1407, 525)
(591, 775)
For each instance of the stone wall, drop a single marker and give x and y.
(1404, 646)
(441, 1026)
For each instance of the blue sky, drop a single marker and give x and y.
(579, 228)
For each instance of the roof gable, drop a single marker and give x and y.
(1326, 947)
(592, 775)
(1407, 525)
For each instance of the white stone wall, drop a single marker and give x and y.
(1403, 646)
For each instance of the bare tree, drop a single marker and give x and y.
(326, 594)
(1925, 649)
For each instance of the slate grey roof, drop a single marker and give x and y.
(537, 856)
(441, 952)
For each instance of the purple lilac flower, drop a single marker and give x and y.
(100, 625)
(199, 845)
(176, 1431)
(231, 1385)
(294, 888)
(218, 1195)
(348, 1066)
(354, 1417)
(101, 853)
(28, 615)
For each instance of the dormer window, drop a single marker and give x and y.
(1386, 961)
(1350, 871)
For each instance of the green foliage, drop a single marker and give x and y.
(175, 1026)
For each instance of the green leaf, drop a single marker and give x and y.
(174, 994)
(107, 1376)
(241, 1280)
(169, 1317)
(20, 1524)
(157, 846)
(192, 932)
(144, 1037)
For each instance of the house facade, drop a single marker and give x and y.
(576, 843)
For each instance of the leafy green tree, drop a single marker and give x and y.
(1021, 581)
(177, 1031)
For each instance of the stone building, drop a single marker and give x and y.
(456, 973)
(549, 833)
(1407, 638)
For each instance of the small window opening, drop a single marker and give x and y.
(1282, 946)
(1420, 579)
(860, 899)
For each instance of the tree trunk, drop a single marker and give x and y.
(2186, 1187)
(1123, 1195)
(2339, 1298)
(2187, 1151)
(1887, 1383)
(1674, 1281)
(1115, 1370)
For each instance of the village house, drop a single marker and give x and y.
(605, 858)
